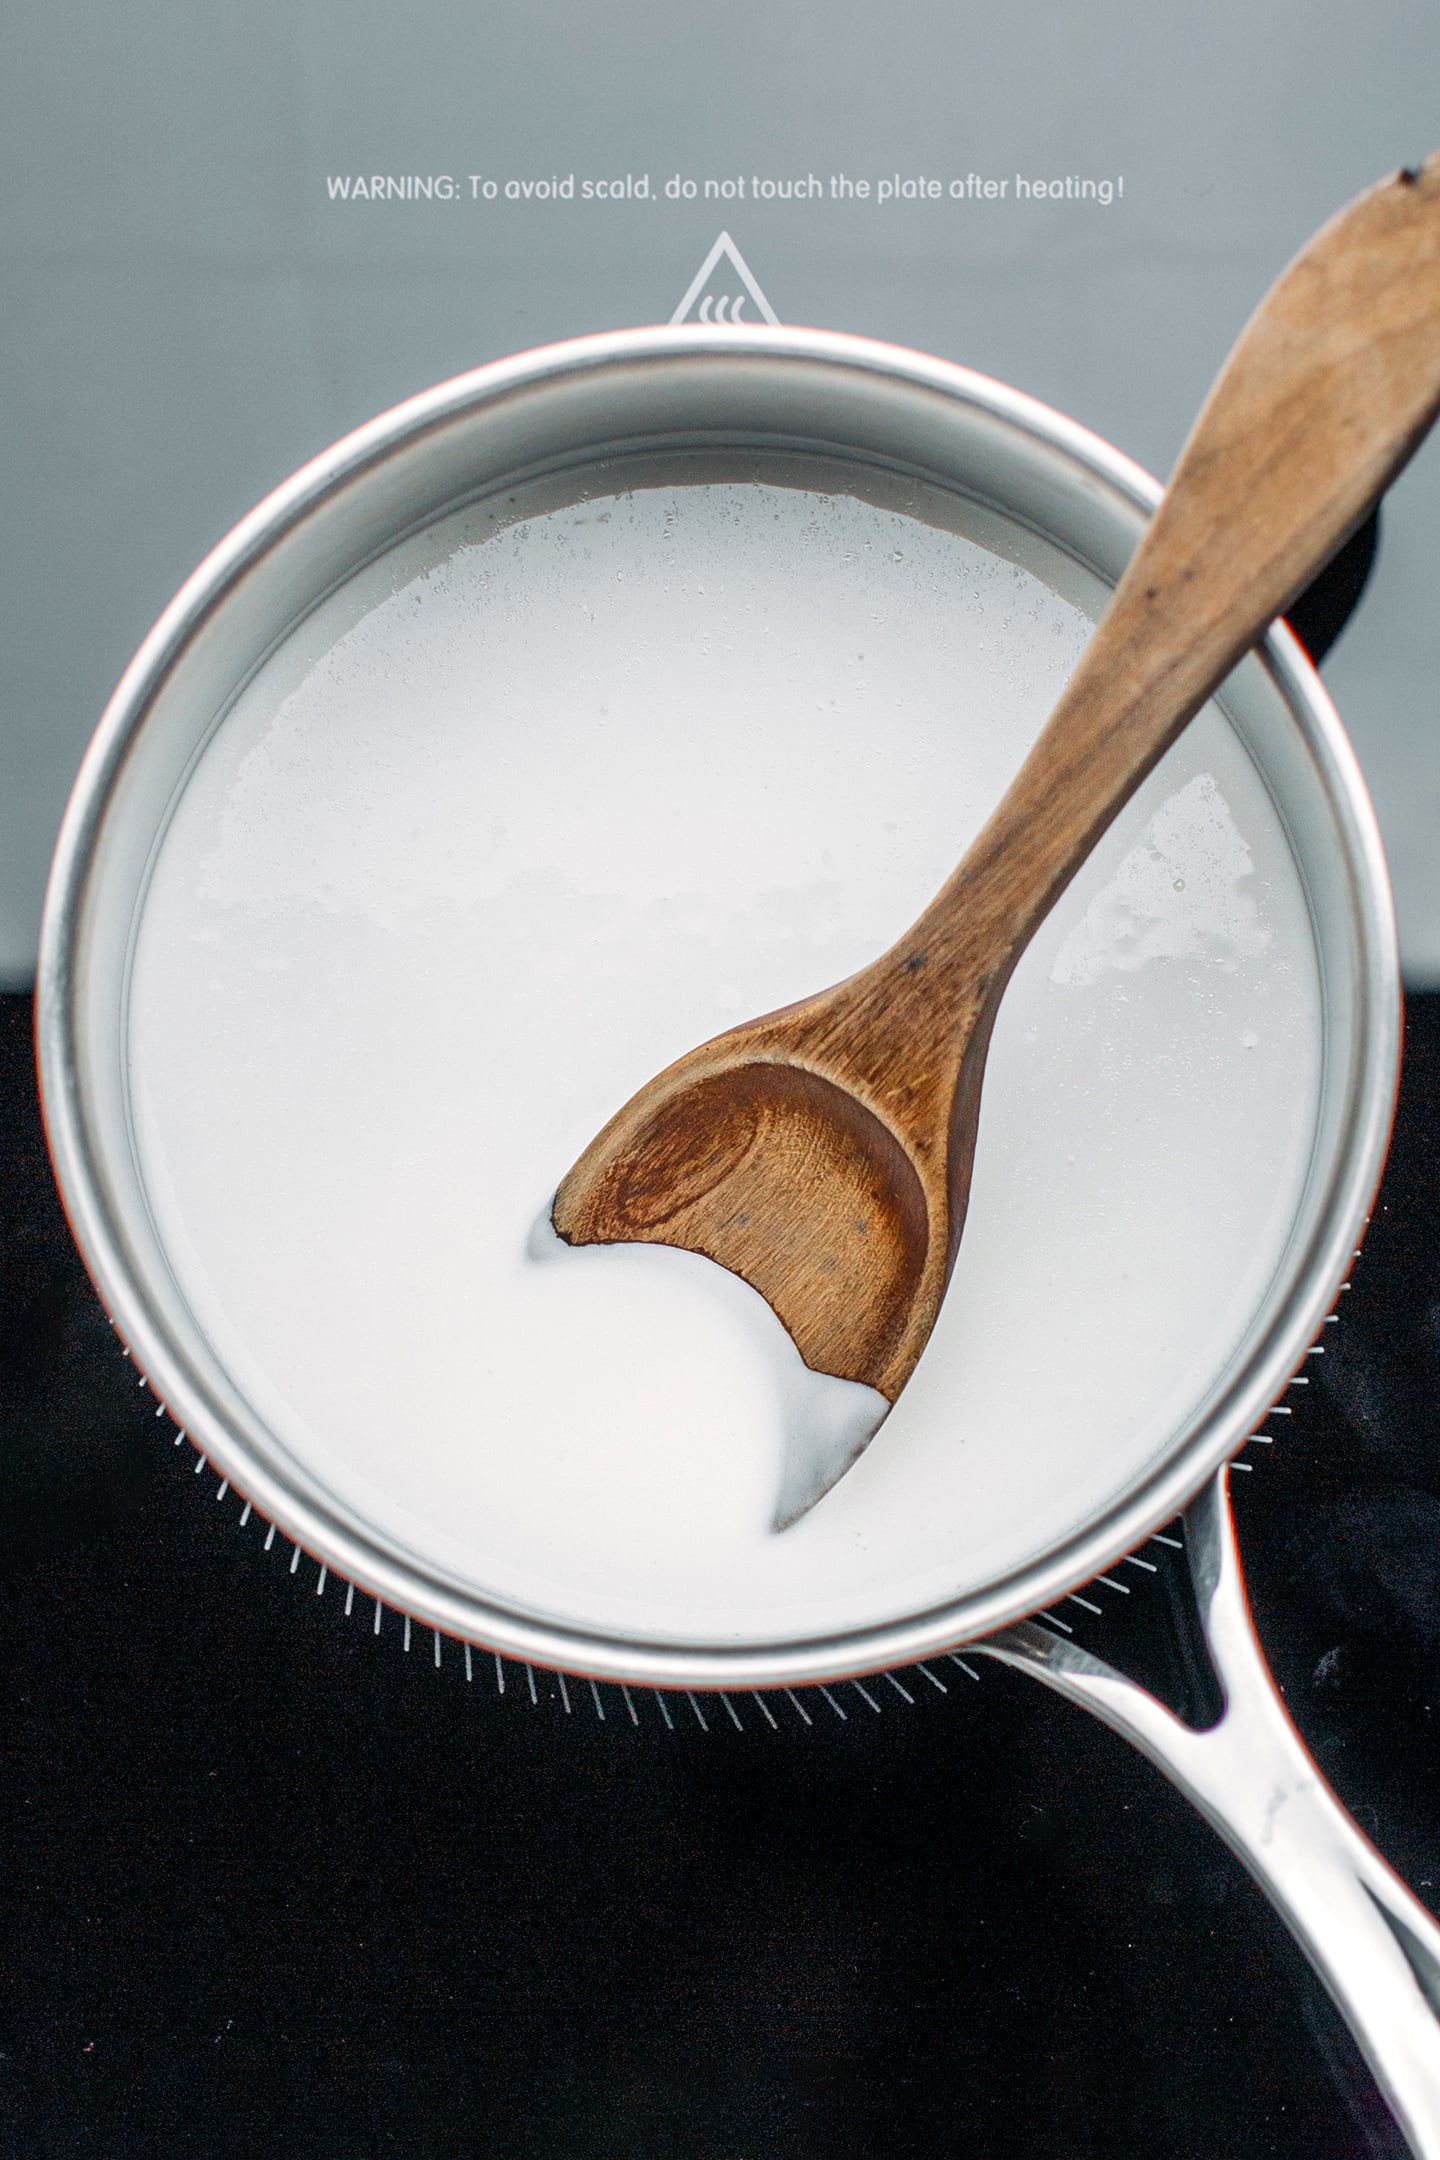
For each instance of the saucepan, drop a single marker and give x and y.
(1048, 515)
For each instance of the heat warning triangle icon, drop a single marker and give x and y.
(723, 290)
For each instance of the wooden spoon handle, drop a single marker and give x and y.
(1331, 386)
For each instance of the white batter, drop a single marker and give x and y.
(518, 817)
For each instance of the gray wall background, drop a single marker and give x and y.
(187, 316)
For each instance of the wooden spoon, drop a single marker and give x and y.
(823, 1152)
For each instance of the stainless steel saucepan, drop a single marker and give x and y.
(567, 423)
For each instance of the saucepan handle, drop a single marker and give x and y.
(1373, 1944)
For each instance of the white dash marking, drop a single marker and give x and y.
(1076, 1599)
(664, 1709)
(1148, 1565)
(1174, 1543)
(378, 1610)
(295, 1557)
(349, 1599)
(933, 1678)
(1242, 1466)
(599, 1706)
(765, 1711)
(1111, 1584)
(530, 1676)
(898, 1688)
(321, 1579)
(564, 1692)
(270, 1537)
(1055, 1621)
(199, 1464)
(437, 1649)
(734, 1713)
(634, 1713)
(969, 1669)
(799, 1707)
(222, 1488)
(407, 1631)
(699, 1713)
(246, 1516)
(834, 1705)
(499, 1673)
(469, 1666)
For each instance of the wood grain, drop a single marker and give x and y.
(824, 1153)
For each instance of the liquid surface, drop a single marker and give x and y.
(824, 1424)
(519, 816)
